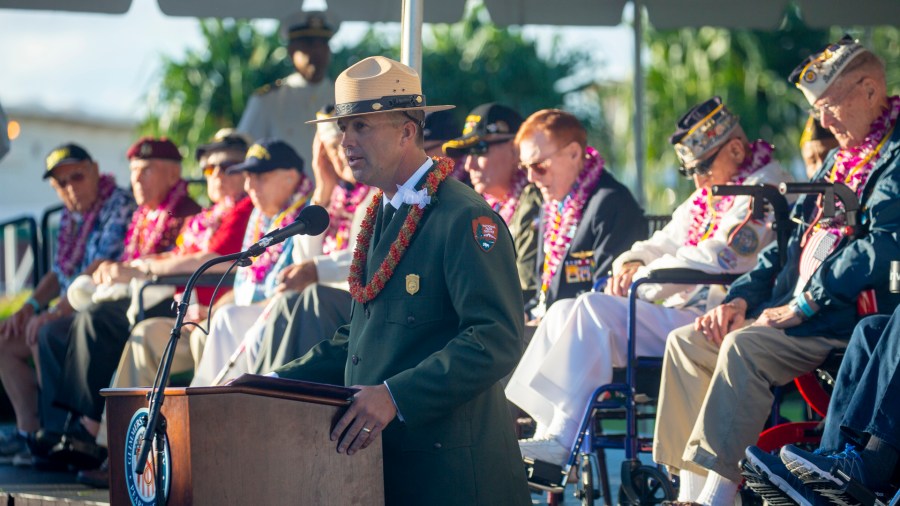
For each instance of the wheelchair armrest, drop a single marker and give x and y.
(690, 276)
(205, 280)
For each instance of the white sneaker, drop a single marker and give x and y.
(547, 450)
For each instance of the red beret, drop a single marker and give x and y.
(148, 147)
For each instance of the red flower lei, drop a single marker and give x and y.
(507, 208)
(563, 219)
(199, 229)
(71, 249)
(341, 209)
(144, 233)
(706, 213)
(364, 293)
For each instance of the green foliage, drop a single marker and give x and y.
(207, 89)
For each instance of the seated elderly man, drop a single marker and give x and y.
(589, 218)
(776, 324)
(76, 363)
(862, 429)
(816, 142)
(580, 340)
(274, 179)
(313, 297)
(491, 159)
(95, 218)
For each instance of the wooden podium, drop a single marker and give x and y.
(259, 441)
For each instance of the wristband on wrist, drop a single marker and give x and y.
(804, 307)
(34, 304)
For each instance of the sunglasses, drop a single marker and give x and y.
(540, 168)
(74, 178)
(481, 147)
(702, 168)
(210, 169)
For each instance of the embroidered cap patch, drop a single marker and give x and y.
(484, 230)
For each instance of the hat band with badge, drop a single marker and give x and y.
(377, 85)
(705, 134)
(819, 71)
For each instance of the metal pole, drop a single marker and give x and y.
(639, 102)
(411, 34)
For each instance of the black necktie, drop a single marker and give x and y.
(388, 214)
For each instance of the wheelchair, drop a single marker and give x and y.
(631, 401)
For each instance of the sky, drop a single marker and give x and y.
(104, 64)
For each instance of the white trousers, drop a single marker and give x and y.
(230, 326)
(575, 349)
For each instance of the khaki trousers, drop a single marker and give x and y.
(714, 401)
(141, 357)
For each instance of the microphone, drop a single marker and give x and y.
(312, 220)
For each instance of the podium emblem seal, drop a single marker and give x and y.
(142, 487)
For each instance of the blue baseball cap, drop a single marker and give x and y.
(269, 154)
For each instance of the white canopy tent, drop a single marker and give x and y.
(762, 14)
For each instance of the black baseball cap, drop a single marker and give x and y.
(269, 154)
(66, 153)
(487, 120)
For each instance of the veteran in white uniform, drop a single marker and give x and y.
(580, 341)
(274, 110)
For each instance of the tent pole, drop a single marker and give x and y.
(411, 34)
(639, 152)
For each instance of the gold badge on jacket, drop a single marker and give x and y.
(412, 284)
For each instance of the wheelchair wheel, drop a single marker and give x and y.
(585, 490)
(650, 485)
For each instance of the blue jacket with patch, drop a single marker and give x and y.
(853, 266)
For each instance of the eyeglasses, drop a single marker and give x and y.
(210, 169)
(481, 147)
(831, 107)
(703, 167)
(540, 168)
(74, 178)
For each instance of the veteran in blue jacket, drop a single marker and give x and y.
(780, 322)
(436, 319)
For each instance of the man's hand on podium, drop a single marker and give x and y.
(372, 409)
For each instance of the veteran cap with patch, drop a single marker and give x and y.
(701, 129)
(307, 24)
(67, 153)
(269, 154)
(487, 122)
(147, 148)
(226, 138)
(819, 71)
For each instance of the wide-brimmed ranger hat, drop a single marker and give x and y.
(378, 85)
(820, 70)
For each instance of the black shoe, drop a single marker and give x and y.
(78, 449)
(42, 442)
(97, 478)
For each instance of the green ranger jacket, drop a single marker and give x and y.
(444, 330)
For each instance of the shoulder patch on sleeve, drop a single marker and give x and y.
(484, 231)
(268, 88)
(744, 241)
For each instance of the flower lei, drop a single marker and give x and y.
(852, 166)
(199, 229)
(364, 293)
(71, 247)
(341, 209)
(506, 208)
(565, 216)
(707, 211)
(264, 263)
(145, 233)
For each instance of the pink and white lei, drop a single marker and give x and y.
(149, 226)
(506, 208)
(707, 211)
(71, 248)
(264, 263)
(341, 208)
(199, 229)
(562, 218)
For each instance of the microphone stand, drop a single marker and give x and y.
(155, 426)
